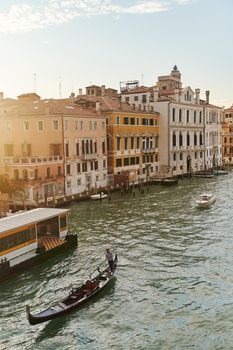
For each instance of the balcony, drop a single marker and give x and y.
(149, 150)
(91, 156)
(31, 160)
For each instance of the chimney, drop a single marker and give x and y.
(72, 96)
(207, 93)
(102, 90)
(197, 96)
(80, 91)
(1, 95)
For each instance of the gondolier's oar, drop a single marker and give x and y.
(97, 269)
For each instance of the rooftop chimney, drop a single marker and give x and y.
(197, 96)
(80, 91)
(102, 90)
(207, 93)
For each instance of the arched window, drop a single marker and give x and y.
(195, 139)
(36, 174)
(83, 147)
(180, 139)
(174, 139)
(59, 171)
(188, 139)
(48, 173)
(200, 139)
(91, 146)
(87, 147)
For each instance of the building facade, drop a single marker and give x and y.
(190, 128)
(227, 136)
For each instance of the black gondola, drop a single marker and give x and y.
(76, 297)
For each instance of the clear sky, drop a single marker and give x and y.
(74, 43)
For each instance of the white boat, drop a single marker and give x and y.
(99, 196)
(205, 200)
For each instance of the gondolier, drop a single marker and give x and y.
(109, 257)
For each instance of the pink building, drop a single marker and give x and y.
(50, 149)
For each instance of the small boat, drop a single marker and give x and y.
(76, 297)
(205, 200)
(169, 181)
(220, 172)
(99, 196)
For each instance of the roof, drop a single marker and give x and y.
(29, 217)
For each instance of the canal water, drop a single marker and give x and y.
(173, 287)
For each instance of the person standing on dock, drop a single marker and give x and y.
(109, 257)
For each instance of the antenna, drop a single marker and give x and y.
(60, 87)
(34, 76)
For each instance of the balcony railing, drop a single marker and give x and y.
(90, 156)
(149, 150)
(31, 160)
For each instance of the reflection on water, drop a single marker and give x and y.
(173, 287)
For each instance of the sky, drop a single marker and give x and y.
(55, 47)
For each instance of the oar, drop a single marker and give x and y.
(97, 268)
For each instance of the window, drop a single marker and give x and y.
(76, 125)
(137, 142)
(55, 124)
(78, 168)
(40, 125)
(180, 115)
(103, 125)
(126, 120)
(95, 145)
(127, 99)
(195, 116)
(187, 115)
(180, 139)
(78, 182)
(87, 147)
(91, 146)
(181, 156)
(77, 149)
(135, 98)
(132, 142)
(68, 169)
(132, 161)
(137, 160)
(104, 164)
(174, 156)
(96, 164)
(174, 140)
(103, 147)
(188, 139)
(173, 114)
(143, 98)
(67, 149)
(118, 143)
(26, 149)
(66, 124)
(151, 122)
(25, 125)
(200, 117)
(8, 150)
(118, 162)
(25, 174)
(48, 173)
(126, 161)
(138, 121)
(195, 139)
(200, 139)
(126, 143)
(59, 171)
(118, 120)
(83, 147)
(55, 149)
(132, 121)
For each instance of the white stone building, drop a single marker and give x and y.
(190, 128)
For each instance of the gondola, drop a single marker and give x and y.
(76, 297)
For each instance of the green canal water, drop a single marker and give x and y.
(173, 287)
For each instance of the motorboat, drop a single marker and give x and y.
(205, 200)
(99, 196)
